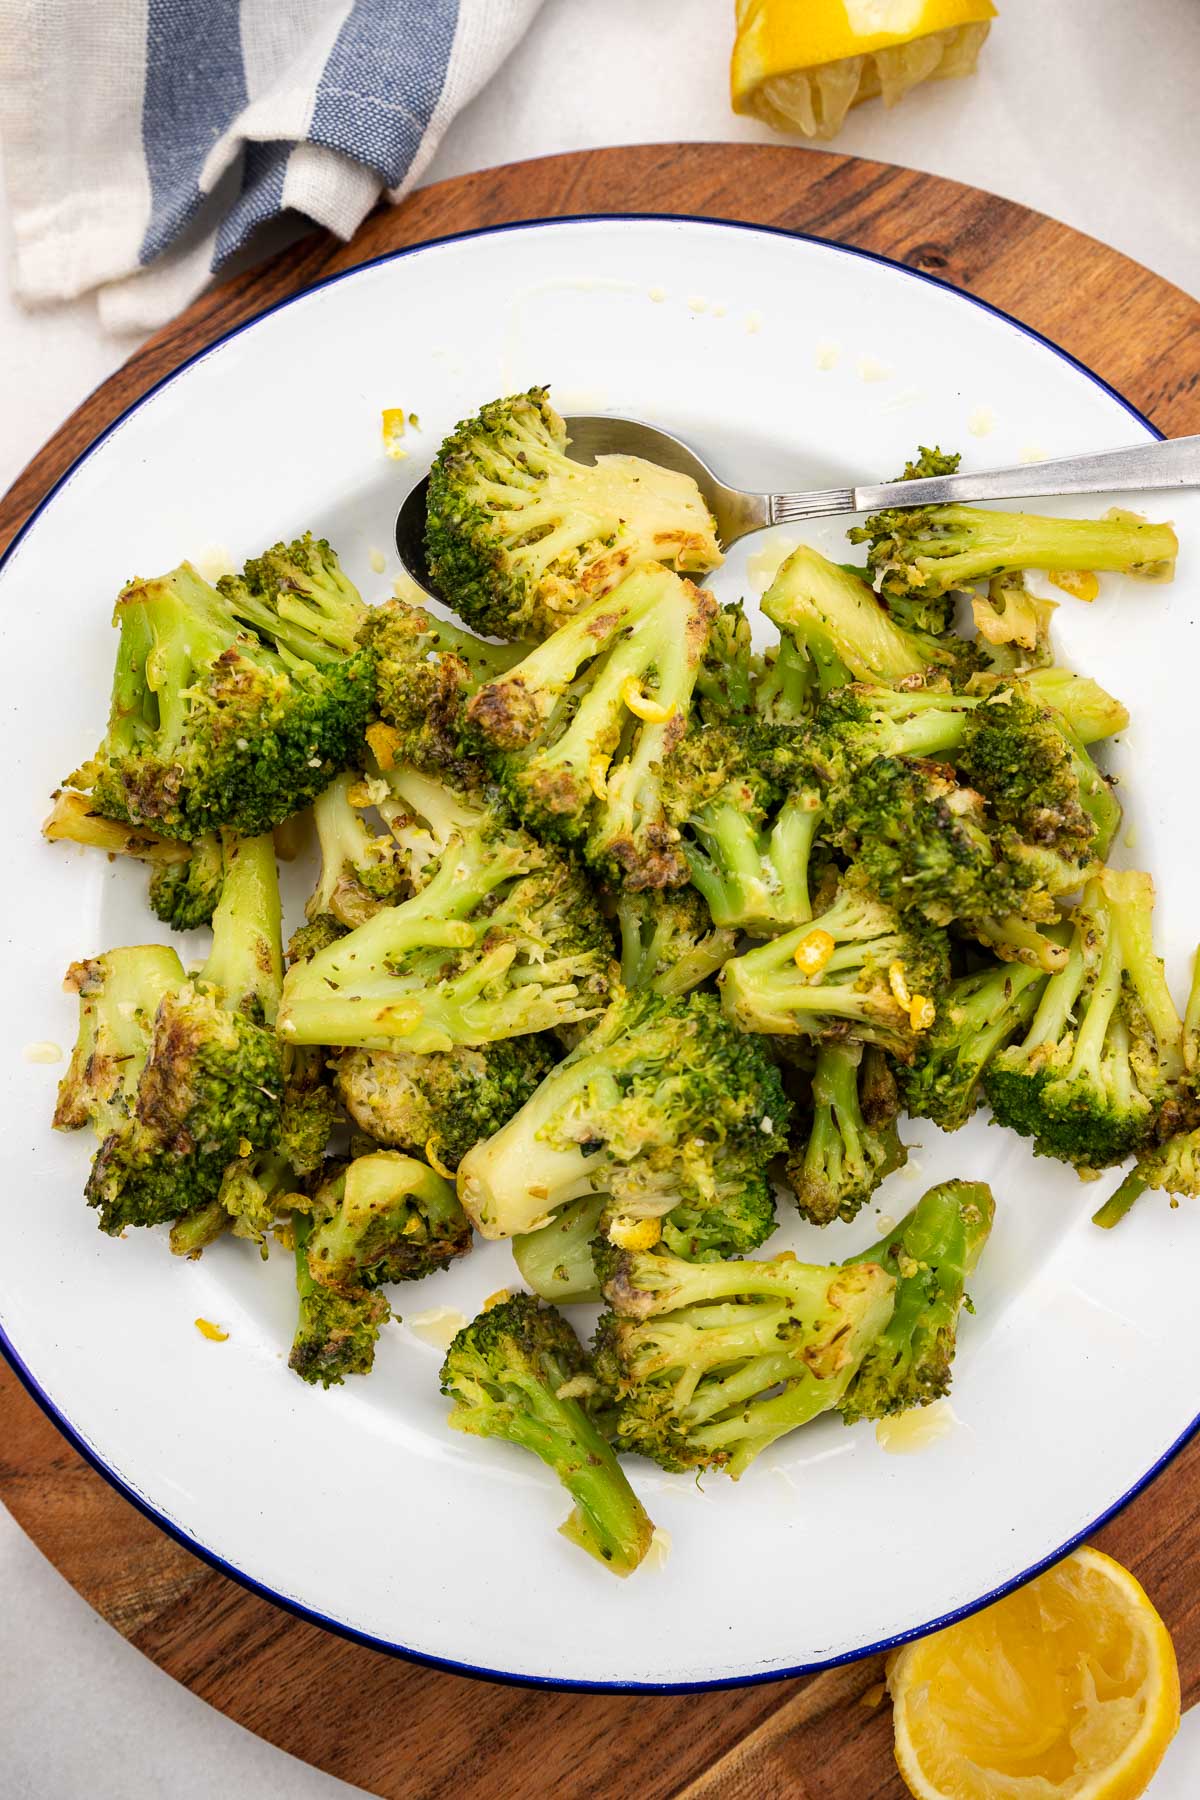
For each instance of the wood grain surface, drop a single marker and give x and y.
(409, 1733)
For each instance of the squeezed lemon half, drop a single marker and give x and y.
(1066, 1690)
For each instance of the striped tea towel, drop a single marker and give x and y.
(145, 140)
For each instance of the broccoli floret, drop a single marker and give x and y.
(505, 939)
(184, 894)
(709, 1363)
(846, 635)
(361, 870)
(932, 550)
(581, 732)
(1040, 782)
(556, 1260)
(1090, 1080)
(425, 812)
(851, 1142)
(749, 813)
(668, 941)
(337, 1328)
(519, 1373)
(317, 934)
(298, 597)
(1171, 1168)
(256, 1190)
(931, 1253)
(936, 613)
(212, 1079)
(440, 1104)
(728, 682)
(211, 726)
(1012, 626)
(663, 1104)
(384, 1217)
(119, 996)
(426, 671)
(185, 879)
(310, 1111)
(856, 971)
(926, 845)
(519, 535)
(977, 1016)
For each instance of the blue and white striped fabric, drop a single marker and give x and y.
(145, 140)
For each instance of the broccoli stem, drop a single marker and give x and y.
(119, 994)
(556, 1260)
(837, 620)
(1130, 896)
(756, 882)
(196, 1231)
(995, 541)
(1091, 713)
(246, 961)
(1120, 1202)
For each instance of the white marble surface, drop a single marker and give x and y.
(1082, 108)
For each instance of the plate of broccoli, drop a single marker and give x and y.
(574, 1076)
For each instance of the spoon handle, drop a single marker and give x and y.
(1169, 463)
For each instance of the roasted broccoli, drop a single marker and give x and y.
(361, 869)
(441, 1104)
(338, 1328)
(706, 1364)
(185, 879)
(857, 970)
(556, 1260)
(749, 812)
(503, 940)
(425, 672)
(1093, 1078)
(849, 1142)
(298, 597)
(1090, 712)
(664, 1107)
(256, 1190)
(519, 535)
(214, 726)
(930, 550)
(729, 684)
(212, 1078)
(785, 689)
(384, 1217)
(119, 996)
(668, 941)
(931, 1253)
(838, 623)
(519, 1373)
(581, 731)
(977, 1016)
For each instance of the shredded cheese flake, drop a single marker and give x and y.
(212, 1332)
(813, 951)
(642, 706)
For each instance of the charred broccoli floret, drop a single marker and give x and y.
(849, 1143)
(256, 1190)
(185, 879)
(663, 1105)
(709, 1363)
(519, 1373)
(857, 970)
(931, 550)
(931, 1253)
(519, 535)
(505, 939)
(119, 997)
(668, 941)
(213, 726)
(298, 597)
(581, 732)
(835, 619)
(443, 1103)
(384, 1217)
(361, 869)
(212, 1078)
(977, 1016)
(1093, 1077)
(425, 672)
(338, 1328)
(1171, 1168)
(749, 811)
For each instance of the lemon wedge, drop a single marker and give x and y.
(1067, 1690)
(802, 67)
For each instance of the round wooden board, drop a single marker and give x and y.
(389, 1726)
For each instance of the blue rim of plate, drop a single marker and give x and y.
(116, 1480)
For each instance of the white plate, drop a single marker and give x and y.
(789, 363)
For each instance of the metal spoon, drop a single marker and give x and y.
(1171, 463)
